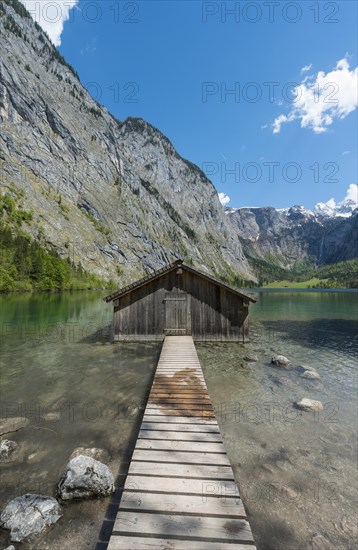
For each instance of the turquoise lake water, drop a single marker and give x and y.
(296, 472)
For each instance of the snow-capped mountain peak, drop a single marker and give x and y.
(330, 209)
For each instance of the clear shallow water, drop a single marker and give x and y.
(297, 472)
(75, 390)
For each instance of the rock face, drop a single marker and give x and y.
(280, 361)
(309, 405)
(27, 516)
(85, 477)
(113, 195)
(294, 236)
(7, 447)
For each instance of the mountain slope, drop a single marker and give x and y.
(114, 196)
(296, 238)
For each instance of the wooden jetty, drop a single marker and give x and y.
(180, 492)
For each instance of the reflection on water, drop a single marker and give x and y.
(296, 471)
(59, 371)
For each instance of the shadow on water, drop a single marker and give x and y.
(102, 335)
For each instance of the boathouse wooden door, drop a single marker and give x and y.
(177, 314)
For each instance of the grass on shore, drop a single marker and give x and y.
(311, 283)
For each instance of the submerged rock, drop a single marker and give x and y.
(10, 547)
(52, 416)
(9, 425)
(310, 374)
(280, 361)
(7, 447)
(93, 452)
(306, 368)
(251, 358)
(309, 405)
(319, 542)
(85, 477)
(27, 516)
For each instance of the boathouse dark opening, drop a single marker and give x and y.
(180, 300)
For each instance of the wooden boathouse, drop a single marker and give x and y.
(180, 300)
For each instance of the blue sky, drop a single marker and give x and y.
(284, 136)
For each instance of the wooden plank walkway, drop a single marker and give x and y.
(180, 492)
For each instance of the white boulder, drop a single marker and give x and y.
(85, 477)
(27, 516)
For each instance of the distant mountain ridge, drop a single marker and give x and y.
(295, 237)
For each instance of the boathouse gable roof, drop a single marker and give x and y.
(170, 267)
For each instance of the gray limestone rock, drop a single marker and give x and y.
(280, 361)
(310, 374)
(28, 515)
(7, 448)
(85, 477)
(309, 405)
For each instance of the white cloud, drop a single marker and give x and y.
(224, 199)
(306, 68)
(352, 193)
(51, 16)
(345, 153)
(278, 123)
(319, 99)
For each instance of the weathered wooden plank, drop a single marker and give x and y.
(175, 525)
(179, 405)
(174, 420)
(204, 437)
(180, 445)
(179, 385)
(177, 411)
(172, 373)
(180, 366)
(201, 471)
(153, 399)
(172, 394)
(175, 382)
(154, 543)
(173, 378)
(180, 457)
(215, 488)
(182, 504)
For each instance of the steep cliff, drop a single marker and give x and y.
(113, 196)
